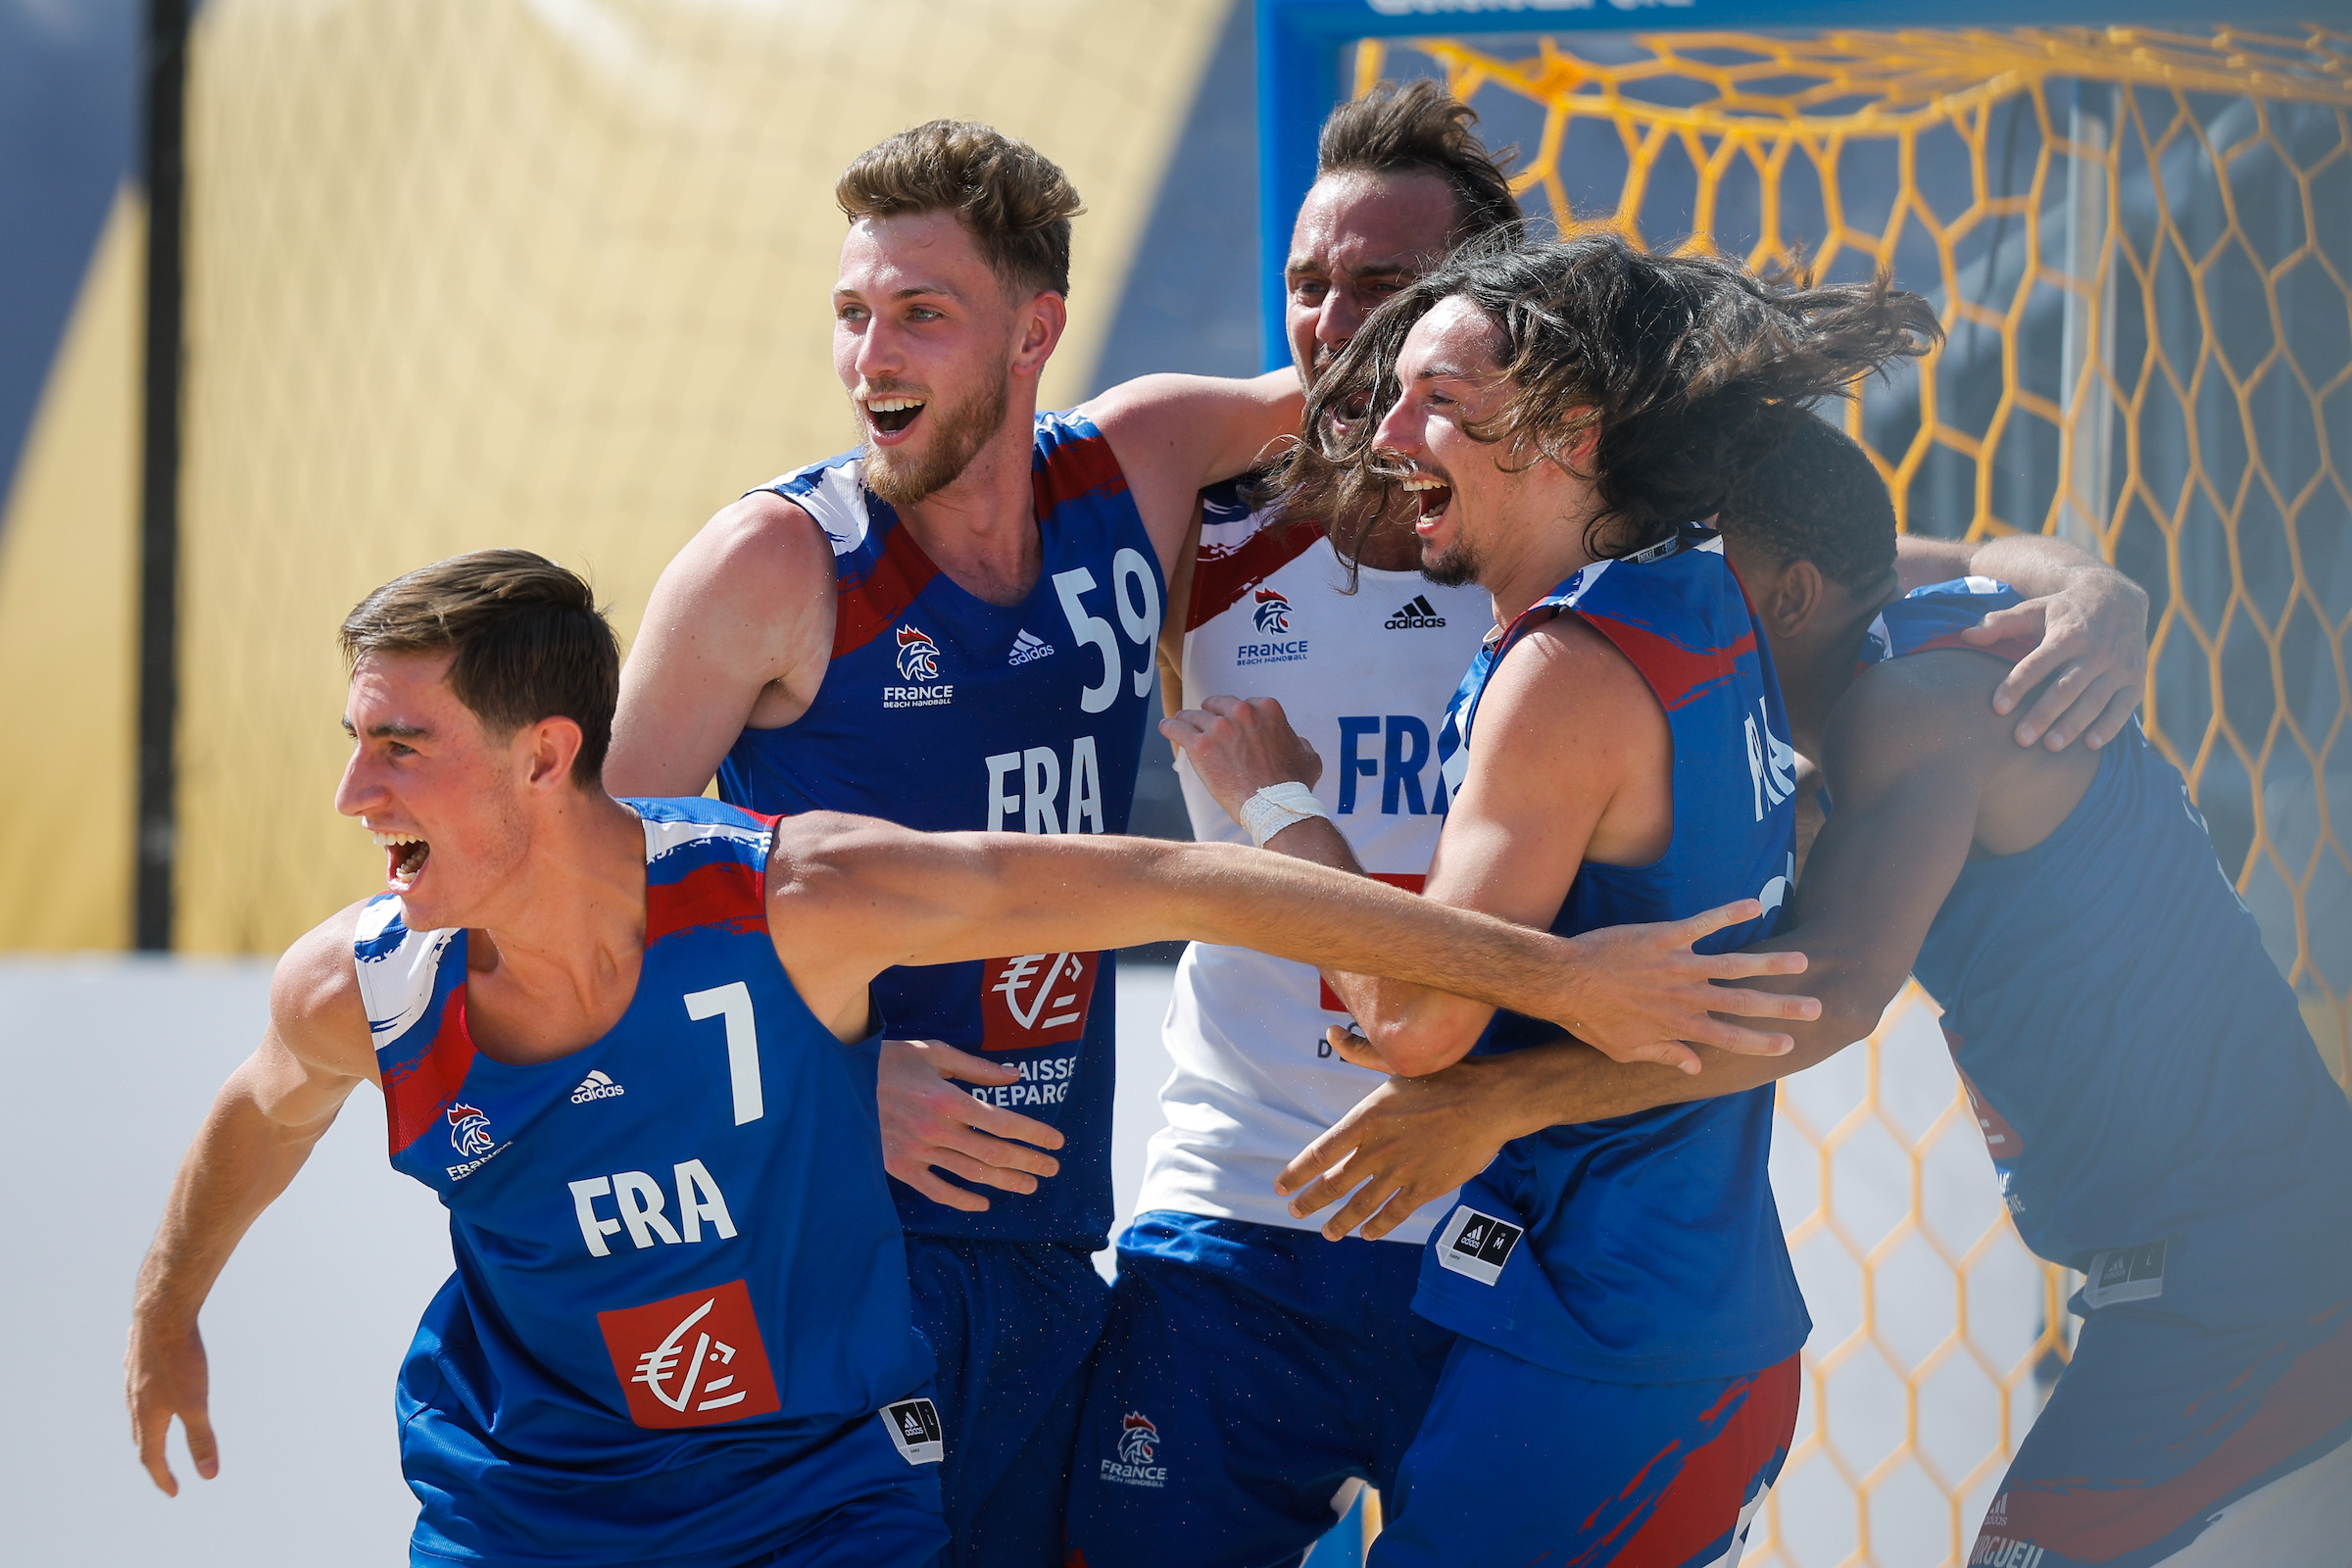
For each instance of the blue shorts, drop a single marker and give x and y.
(1517, 1464)
(1250, 1374)
(1014, 1324)
(896, 1529)
(2162, 1431)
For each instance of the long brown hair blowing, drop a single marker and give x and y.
(1685, 363)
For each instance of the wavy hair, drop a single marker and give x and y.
(1686, 364)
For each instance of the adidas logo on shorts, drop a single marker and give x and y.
(1415, 616)
(1476, 1244)
(596, 1086)
(1028, 648)
(913, 1427)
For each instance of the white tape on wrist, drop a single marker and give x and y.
(1277, 807)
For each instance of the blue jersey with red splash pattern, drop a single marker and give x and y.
(2146, 1086)
(681, 1299)
(1646, 1248)
(942, 711)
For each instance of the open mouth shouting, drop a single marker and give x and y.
(405, 855)
(890, 413)
(1431, 497)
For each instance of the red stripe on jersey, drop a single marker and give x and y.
(1700, 1506)
(1677, 674)
(417, 1092)
(1075, 470)
(1220, 577)
(1411, 882)
(863, 610)
(2097, 1522)
(725, 893)
(2011, 648)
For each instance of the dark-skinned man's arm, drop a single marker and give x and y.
(1908, 755)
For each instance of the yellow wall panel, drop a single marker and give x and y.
(550, 273)
(68, 628)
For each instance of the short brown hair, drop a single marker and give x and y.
(1420, 128)
(1014, 200)
(529, 641)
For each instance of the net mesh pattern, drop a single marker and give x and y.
(2136, 243)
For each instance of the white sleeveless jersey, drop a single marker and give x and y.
(1365, 678)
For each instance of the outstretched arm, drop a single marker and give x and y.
(849, 897)
(263, 1125)
(738, 631)
(1173, 434)
(1511, 846)
(2088, 621)
(1909, 760)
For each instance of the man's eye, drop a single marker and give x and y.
(1307, 293)
(398, 750)
(849, 312)
(923, 313)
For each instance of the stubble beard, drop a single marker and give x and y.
(1457, 566)
(962, 431)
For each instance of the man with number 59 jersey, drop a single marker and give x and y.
(953, 628)
(631, 1047)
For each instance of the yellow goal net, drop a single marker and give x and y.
(2140, 246)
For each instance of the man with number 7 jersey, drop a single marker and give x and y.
(631, 1047)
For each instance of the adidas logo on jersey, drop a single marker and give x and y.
(1028, 648)
(596, 1086)
(1415, 616)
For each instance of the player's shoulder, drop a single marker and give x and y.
(1938, 702)
(315, 1000)
(1563, 677)
(756, 547)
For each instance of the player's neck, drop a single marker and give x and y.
(1530, 562)
(980, 528)
(555, 962)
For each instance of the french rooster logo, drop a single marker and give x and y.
(468, 1130)
(1273, 612)
(1137, 1438)
(918, 655)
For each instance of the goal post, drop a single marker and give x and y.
(2133, 228)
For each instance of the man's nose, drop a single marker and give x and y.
(1339, 320)
(1398, 434)
(878, 352)
(357, 791)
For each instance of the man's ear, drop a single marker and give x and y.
(1042, 322)
(549, 748)
(1789, 597)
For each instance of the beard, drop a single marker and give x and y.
(1457, 566)
(903, 481)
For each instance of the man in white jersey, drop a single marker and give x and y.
(1252, 1379)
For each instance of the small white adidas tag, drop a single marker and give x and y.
(1027, 648)
(596, 1086)
(2123, 1274)
(1476, 1244)
(914, 1427)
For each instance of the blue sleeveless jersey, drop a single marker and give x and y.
(940, 712)
(679, 1316)
(2148, 1092)
(1646, 1248)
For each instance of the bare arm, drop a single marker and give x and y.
(1910, 760)
(2088, 621)
(262, 1126)
(737, 634)
(849, 897)
(1650, 992)
(1176, 433)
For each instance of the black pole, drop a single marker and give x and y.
(166, 99)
